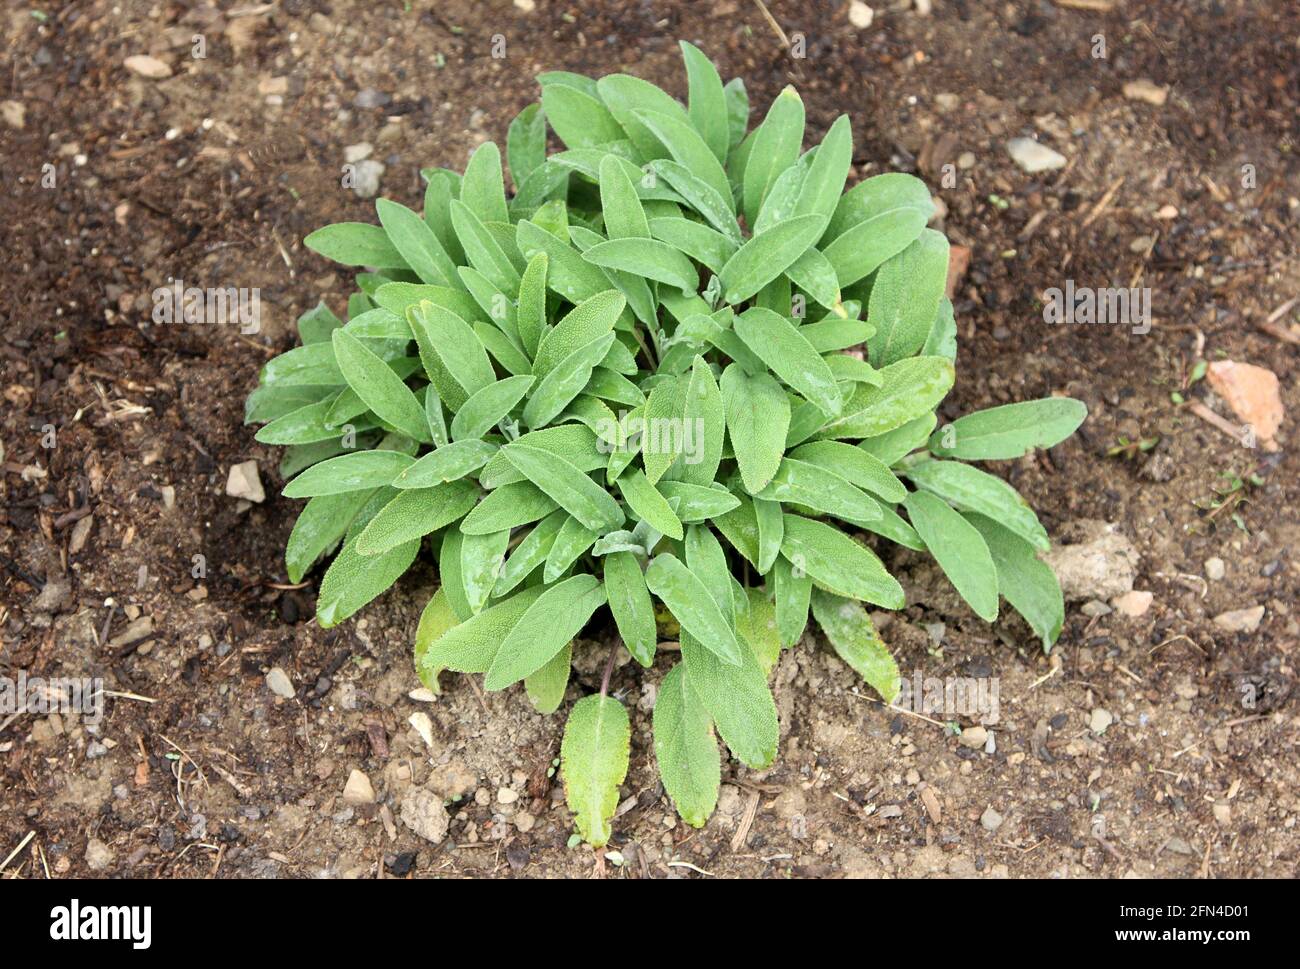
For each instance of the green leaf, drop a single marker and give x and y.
(449, 573)
(737, 111)
(704, 426)
(905, 298)
(771, 528)
(647, 258)
(687, 148)
(700, 196)
(791, 357)
(877, 219)
(706, 101)
(436, 619)
(578, 117)
(417, 243)
(697, 503)
(695, 239)
(892, 446)
(575, 443)
(447, 463)
(320, 526)
(648, 504)
(526, 144)
(306, 425)
(550, 623)
(629, 601)
(590, 319)
(471, 646)
(546, 687)
(488, 407)
(624, 216)
(482, 249)
(481, 556)
(510, 506)
(382, 390)
(853, 464)
(530, 318)
(572, 540)
(777, 142)
(824, 182)
(685, 748)
(593, 763)
(971, 489)
(740, 528)
(737, 698)
(767, 255)
(625, 95)
(706, 560)
(530, 553)
(453, 356)
(567, 272)
(799, 482)
(316, 325)
(959, 549)
(838, 564)
(353, 579)
(482, 188)
(570, 488)
(756, 625)
(792, 594)
(1027, 583)
(908, 389)
(1009, 431)
(690, 601)
(758, 416)
(565, 382)
(942, 340)
(356, 244)
(360, 470)
(414, 514)
(853, 636)
(661, 441)
(813, 273)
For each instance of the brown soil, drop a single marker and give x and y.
(215, 174)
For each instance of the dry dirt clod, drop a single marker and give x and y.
(358, 790)
(1240, 620)
(278, 682)
(1133, 604)
(861, 15)
(1148, 91)
(146, 66)
(1034, 156)
(245, 482)
(1100, 720)
(423, 813)
(991, 820)
(14, 113)
(1100, 565)
(1252, 393)
(1215, 569)
(99, 856)
(974, 737)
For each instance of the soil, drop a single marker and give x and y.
(214, 175)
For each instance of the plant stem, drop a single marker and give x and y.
(609, 669)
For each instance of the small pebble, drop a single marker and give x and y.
(1100, 720)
